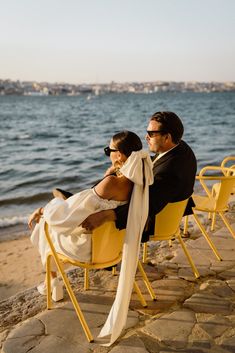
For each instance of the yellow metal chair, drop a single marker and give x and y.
(167, 223)
(214, 202)
(226, 163)
(107, 243)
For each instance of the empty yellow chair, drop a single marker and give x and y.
(215, 202)
(226, 163)
(107, 244)
(167, 223)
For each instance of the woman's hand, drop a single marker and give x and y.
(35, 217)
(110, 170)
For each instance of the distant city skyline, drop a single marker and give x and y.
(99, 41)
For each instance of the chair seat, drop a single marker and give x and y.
(205, 203)
(68, 260)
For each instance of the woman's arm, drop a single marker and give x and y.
(107, 188)
(35, 217)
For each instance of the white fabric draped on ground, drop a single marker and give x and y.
(137, 168)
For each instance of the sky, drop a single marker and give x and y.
(98, 41)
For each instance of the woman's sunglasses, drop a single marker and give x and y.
(108, 150)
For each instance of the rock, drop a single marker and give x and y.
(208, 303)
(229, 344)
(215, 326)
(59, 330)
(229, 274)
(231, 284)
(172, 329)
(132, 344)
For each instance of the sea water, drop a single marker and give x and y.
(58, 141)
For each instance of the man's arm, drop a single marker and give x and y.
(97, 219)
(119, 215)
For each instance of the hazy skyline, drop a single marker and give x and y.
(127, 40)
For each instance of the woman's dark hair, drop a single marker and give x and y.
(170, 123)
(127, 142)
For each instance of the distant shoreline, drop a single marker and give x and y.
(33, 88)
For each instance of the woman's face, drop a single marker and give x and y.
(113, 154)
(116, 156)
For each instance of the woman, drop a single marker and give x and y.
(65, 216)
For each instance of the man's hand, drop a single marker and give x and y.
(97, 219)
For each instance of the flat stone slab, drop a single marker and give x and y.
(228, 274)
(218, 287)
(215, 326)
(229, 344)
(59, 330)
(208, 303)
(130, 345)
(172, 290)
(172, 329)
(231, 284)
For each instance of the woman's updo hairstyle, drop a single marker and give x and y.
(126, 142)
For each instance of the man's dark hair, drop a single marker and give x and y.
(170, 123)
(126, 142)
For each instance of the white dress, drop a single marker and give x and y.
(64, 218)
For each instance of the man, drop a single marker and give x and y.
(174, 169)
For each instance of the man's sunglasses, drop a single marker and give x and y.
(108, 150)
(151, 133)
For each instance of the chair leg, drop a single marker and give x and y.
(114, 270)
(140, 295)
(185, 231)
(74, 301)
(86, 279)
(213, 221)
(69, 289)
(146, 281)
(48, 281)
(207, 237)
(76, 306)
(227, 224)
(145, 249)
(195, 271)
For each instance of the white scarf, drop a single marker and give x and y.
(137, 168)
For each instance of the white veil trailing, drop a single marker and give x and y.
(137, 168)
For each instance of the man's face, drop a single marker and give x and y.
(156, 143)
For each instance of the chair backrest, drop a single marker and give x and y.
(227, 185)
(107, 243)
(227, 161)
(167, 221)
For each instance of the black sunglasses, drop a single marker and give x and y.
(151, 133)
(108, 150)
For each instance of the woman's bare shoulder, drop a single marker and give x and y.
(107, 187)
(113, 187)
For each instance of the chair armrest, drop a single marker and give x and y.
(210, 168)
(226, 160)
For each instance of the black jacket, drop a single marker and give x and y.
(174, 177)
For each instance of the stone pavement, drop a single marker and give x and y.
(189, 316)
